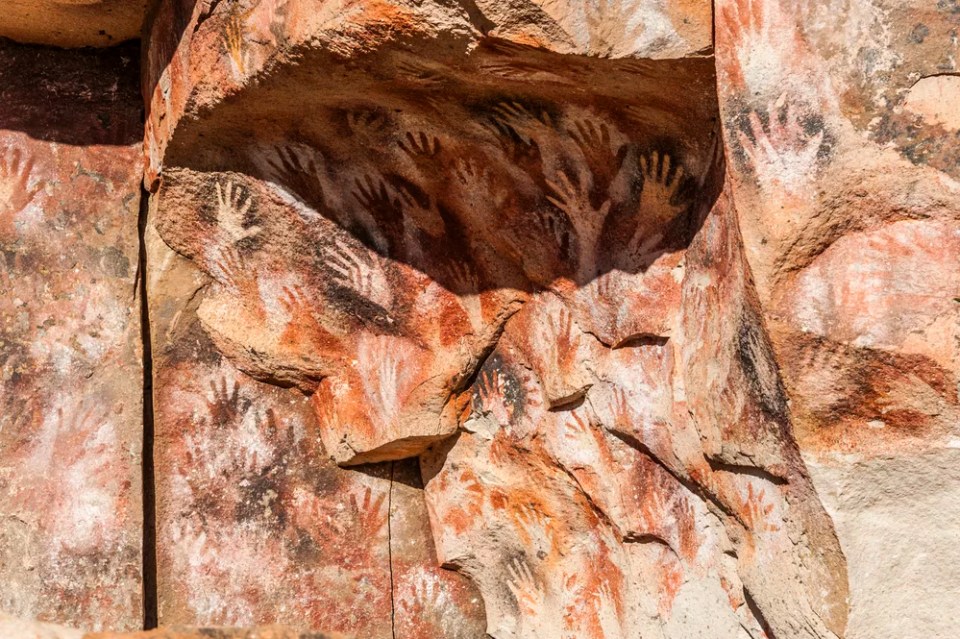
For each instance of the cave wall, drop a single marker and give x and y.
(71, 382)
(462, 319)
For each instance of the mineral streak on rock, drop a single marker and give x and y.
(70, 361)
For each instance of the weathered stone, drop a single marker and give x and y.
(637, 340)
(72, 23)
(844, 169)
(13, 628)
(438, 249)
(70, 358)
(254, 524)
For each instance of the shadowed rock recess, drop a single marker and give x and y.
(518, 319)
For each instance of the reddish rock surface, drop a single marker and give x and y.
(844, 166)
(255, 525)
(70, 360)
(514, 318)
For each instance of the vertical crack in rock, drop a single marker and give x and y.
(149, 486)
(393, 602)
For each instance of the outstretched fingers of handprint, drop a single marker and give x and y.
(783, 155)
(492, 394)
(531, 520)
(348, 264)
(82, 420)
(15, 173)
(232, 208)
(419, 73)
(592, 138)
(298, 169)
(427, 218)
(661, 185)
(296, 302)
(568, 197)
(364, 277)
(420, 144)
(656, 169)
(463, 277)
(222, 396)
(229, 268)
(514, 112)
(561, 328)
(372, 193)
(525, 587)
(756, 512)
(552, 226)
(370, 514)
(577, 426)
(622, 411)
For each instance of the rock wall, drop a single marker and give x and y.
(71, 382)
(517, 319)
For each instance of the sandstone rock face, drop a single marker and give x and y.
(844, 161)
(524, 267)
(255, 524)
(70, 362)
(72, 23)
(520, 319)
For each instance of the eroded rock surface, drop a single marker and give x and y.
(73, 23)
(525, 267)
(70, 359)
(515, 318)
(844, 159)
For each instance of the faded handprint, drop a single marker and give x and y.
(579, 447)
(764, 45)
(491, 397)
(623, 417)
(593, 138)
(616, 27)
(531, 523)
(364, 276)
(420, 144)
(563, 341)
(298, 306)
(553, 226)
(522, 119)
(419, 73)
(425, 594)
(367, 122)
(529, 593)
(234, 36)
(466, 285)
(15, 190)
(608, 609)
(388, 383)
(520, 131)
(573, 199)
(577, 428)
(755, 511)
(369, 514)
(426, 217)
(296, 169)
(784, 157)
(602, 290)
(232, 211)
(661, 185)
(228, 269)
